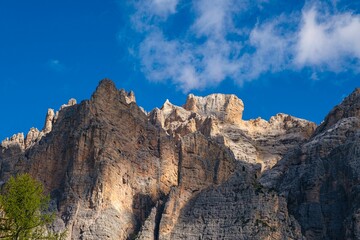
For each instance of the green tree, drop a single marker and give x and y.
(24, 210)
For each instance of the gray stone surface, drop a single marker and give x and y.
(198, 172)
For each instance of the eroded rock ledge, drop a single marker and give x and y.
(219, 116)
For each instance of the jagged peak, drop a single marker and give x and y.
(353, 98)
(167, 107)
(34, 135)
(215, 101)
(167, 104)
(16, 139)
(129, 97)
(106, 83)
(349, 107)
(23, 142)
(226, 107)
(107, 91)
(170, 109)
(71, 102)
(212, 95)
(283, 117)
(280, 121)
(49, 120)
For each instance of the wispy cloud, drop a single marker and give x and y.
(186, 62)
(326, 40)
(56, 65)
(164, 7)
(150, 13)
(272, 50)
(217, 46)
(214, 18)
(169, 60)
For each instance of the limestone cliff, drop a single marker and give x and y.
(194, 172)
(321, 177)
(219, 117)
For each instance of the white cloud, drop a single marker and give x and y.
(326, 40)
(150, 12)
(169, 60)
(164, 7)
(272, 50)
(216, 46)
(193, 65)
(214, 18)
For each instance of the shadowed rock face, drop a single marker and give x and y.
(321, 177)
(195, 172)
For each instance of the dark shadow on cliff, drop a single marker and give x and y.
(322, 190)
(239, 208)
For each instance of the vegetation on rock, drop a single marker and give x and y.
(24, 210)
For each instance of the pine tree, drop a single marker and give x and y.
(24, 210)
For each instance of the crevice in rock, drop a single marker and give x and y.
(142, 205)
(180, 161)
(159, 211)
(159, 146)
(216, 170)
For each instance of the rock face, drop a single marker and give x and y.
(194, 172)
(220, 117)
(227, 108)
(321, 177)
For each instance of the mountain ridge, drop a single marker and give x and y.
(198, 172)
(128, 97)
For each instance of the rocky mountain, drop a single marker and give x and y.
(193, 172)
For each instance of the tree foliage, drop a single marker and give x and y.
(24, 210)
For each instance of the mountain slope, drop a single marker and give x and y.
(321, 177)
(197, 172)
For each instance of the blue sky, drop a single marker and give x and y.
(296, 57)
